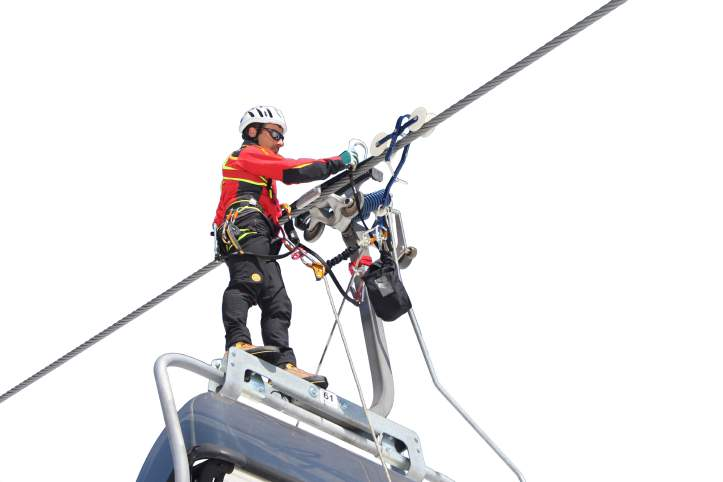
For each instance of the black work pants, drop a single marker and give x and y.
(255, 281)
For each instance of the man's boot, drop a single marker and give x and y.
(267, 353)
(318, 380)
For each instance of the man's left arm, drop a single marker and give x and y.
(312, 170)
(294, 171)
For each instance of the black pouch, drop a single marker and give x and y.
(386, 291)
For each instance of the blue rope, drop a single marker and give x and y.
(398, 130)
(387, 196)
(384, 197)
(371, 202)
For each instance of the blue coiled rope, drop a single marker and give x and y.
(371, 202)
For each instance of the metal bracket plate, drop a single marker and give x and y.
(247, 375)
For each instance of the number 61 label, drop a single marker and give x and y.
(331, 400)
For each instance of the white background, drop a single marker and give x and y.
(568, 223)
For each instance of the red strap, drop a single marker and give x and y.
(363, 261)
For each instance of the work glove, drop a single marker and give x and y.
(350, 159)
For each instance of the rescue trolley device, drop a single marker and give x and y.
(229, 437)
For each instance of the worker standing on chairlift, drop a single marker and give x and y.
(247, 221)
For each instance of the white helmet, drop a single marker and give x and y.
(263, 114)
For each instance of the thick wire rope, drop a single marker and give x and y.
(338, 182)
(529, 59)
(356, 380)
(112, 328)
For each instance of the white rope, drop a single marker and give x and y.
(356, 379)
(333, 328)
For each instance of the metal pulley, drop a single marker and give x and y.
(412, 122)
(311, 234)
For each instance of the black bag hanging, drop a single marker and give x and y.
(386, 291)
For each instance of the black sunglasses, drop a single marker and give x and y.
(275, 135)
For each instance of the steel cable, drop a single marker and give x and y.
(112, 328)
(338, 182)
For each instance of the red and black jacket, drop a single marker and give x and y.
(252, 172)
